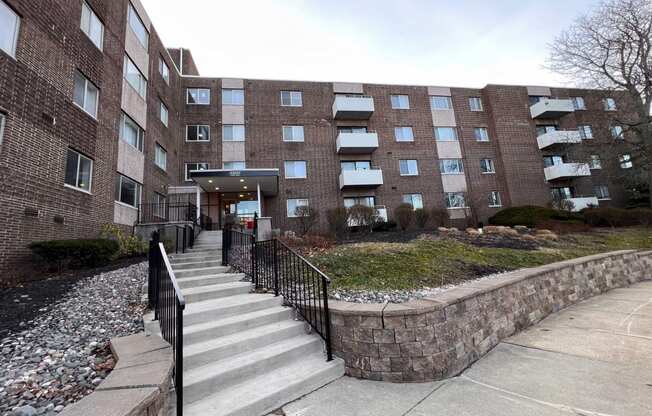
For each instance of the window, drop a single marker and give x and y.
(365, 201)
(2, 126)
(295, 203)
(455, 200)
(609, 104)
(494, 199)
(160, 202)
(545, 128)
(475, 103)
(487, 166)
(291, 99)
(403, 134)
(91, 26)
(552, 161)
(194, 166)
(416, 200)
(400, 102)
(617, 132)
(451, 166)
(356, 165)
(198, 133)
(138, 27)
(293, 133)
(595, 162)
(295, 169)
(408, 167)
(234, 165)
(199, 96)
(131, 133)
(536, 98)
(578, 103)
(79, 171)
(160, 157)
(438, 102)
(601, 191)
(163, 114)
(233, 133)
(164, 70)
(86, 94)
(354, 129)
(9, 25)
(446, 134)
(232, 97)
(134, 77)
(586, 132)
(128, 191)
(481, 134)
(625, 161)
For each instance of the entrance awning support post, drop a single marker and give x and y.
(260, 202)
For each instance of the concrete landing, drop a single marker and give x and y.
(593, 358)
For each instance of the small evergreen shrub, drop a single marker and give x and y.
(76, 254)
(528, 215)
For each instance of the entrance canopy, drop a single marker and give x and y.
(244, 180)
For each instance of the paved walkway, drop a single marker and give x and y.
(592, 359)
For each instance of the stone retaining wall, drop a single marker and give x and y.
(439, 336)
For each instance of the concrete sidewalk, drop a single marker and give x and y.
(591, 359)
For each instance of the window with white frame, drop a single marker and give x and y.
(351, 129)
(198, 133)
(2, 126)
(475, 103)
(9, 27)
(400, 102)
(487, 166)
(586, 131)
(446, 134)
(408, 167)
(578, 103)
(79, 171)
(295, 169)
(160, 157)
(291, 99)
(451, 166)
(625, 161)
(355, 165)
(595, 162)
(194, 166)
(293, 204)
(234, 165)
(233, 133)
(403, 134)
(416, 200)
(617, 132)
(86, 94)
(163, 113)
(131, 133)
(494, 199)
(440, 102)
(232, 96)
(134, 77)
(159, 205)
(137, 26)
(481, 134)
(455, 199)
(92, 26)
(293, 134)
(601, 191)
(164, 70)
(198, 96)
(609, 104)
(128, 191)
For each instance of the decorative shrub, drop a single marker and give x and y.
(307, 217)
(338, 221)
(421, 217)
(129, 246)
(643, 216)
(528, 215)
(438, 217)
(617, 217)
(404, 215)
(385, 225)
(58, 254)
(363, 217)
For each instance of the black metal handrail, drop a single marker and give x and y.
(166, 212)
(187, 237)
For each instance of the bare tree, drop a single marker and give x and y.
(307, 217)
(611, 49)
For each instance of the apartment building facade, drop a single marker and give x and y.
(101, 123)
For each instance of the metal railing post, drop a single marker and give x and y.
(327, 320)
(176, 240)
(184, 239)
(178, 375)
(275, 260)
(254, 268)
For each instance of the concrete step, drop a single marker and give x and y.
(210, 310)
(190, 257)
(223, 327)
(221, 290)
(205, 251)
(270, 391)
(202, 353)
(196, 264)
(201, 271)
(188, 282)
(218, 375)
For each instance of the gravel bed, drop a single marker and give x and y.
(63, 354)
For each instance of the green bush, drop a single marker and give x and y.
(74, 254)
(404, 216)
(528, 215)
(129, 245)
(617, 217)
(438, 217)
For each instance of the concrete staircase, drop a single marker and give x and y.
(243, 353)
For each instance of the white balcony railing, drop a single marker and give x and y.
(559, 137)
(582, 202)
(551, 108)
(350, 143)
(567, 170)
(361, 178)
(353, 107)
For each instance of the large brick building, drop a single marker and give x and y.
(100, 123)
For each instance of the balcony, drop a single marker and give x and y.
(357, 143)
(559, 137)
(567, 171)
(580, 203)
(362, 178)
(353, 107)
(551, 108)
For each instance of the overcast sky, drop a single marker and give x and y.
(415, 42)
